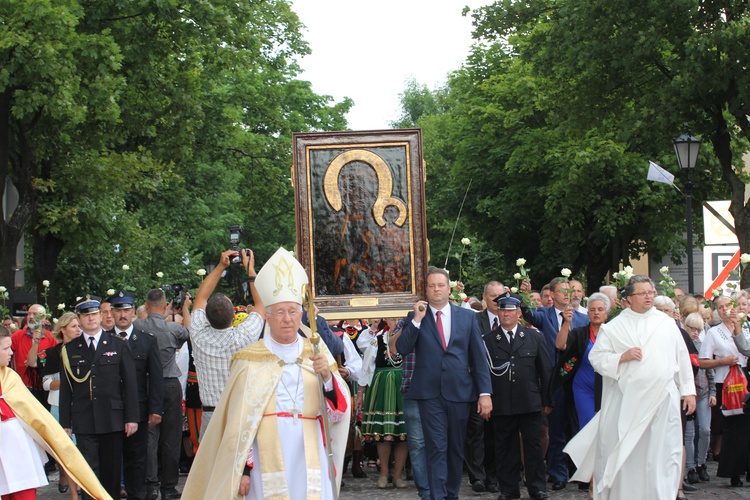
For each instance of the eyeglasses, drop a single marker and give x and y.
(292, 314)
(644, 294)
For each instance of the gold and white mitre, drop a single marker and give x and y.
(281, 279)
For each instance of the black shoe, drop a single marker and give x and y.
(50, 467)
(736, 482)
(583, 486)
(692, 476)
(558, 485)
(170, 493)
(539, 495)
(478, 486)
(509, 496)
(689, 488)
(492, 488)
(62, 488)
(358, 472)
(152, 495)
(703, 473)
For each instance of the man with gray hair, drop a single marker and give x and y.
(480, 459)
(646, 370)
(164, 439)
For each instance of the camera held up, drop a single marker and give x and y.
(179, 294)
(235, 234)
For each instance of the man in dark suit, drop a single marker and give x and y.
(521, 372)
(479, 449)
(450, 372)
(98, 395)
(549, 320)
(149, 374)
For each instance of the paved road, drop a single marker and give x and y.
(366, 489)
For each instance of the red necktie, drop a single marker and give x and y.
(440, 329)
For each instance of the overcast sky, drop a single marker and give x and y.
(368, 50)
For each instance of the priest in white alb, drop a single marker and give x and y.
(633, 446)
(265, 438)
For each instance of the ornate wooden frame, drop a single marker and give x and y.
(395, 183)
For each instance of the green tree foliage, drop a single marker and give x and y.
(646, 68)
(149, 128)
(556, 142)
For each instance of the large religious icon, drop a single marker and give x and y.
(361, 231)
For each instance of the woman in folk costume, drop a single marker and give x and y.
(382, 411)
(26, 430)
(265, 439)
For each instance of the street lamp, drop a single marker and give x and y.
(686, 147)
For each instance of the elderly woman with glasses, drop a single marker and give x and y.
(720, 352)
(585, 387)
(697, 449)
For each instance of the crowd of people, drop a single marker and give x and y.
(535, 389)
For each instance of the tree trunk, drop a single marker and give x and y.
(46, 250)
(17, 163)
(721, 142)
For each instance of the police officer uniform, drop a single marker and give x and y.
(520, 372)
(150, 379)
(98, 396)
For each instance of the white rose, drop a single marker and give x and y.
(745, 258)
(111, 291)
(3, 289)
(160, 274)
(517, 276)
(45, 283)
(200, 272)
(717, 292)
(453, 284)
(521, 262)
(54, 320)
(125, 267)
(514, 289)
(61, 307)
(664, 270)
(672, 283)
(462, 295)
(565, 272)
(78, 299)
(465, 241)
(740, 315)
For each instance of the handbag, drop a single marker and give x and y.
(733, 392)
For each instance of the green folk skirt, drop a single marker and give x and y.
(383, 409)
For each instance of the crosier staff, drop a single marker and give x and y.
(307, 303)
